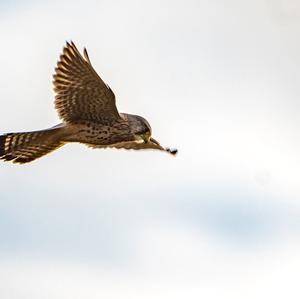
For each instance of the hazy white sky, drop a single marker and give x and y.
(217, 79)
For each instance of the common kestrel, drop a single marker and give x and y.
(87, 108)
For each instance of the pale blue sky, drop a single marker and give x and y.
(216, 79)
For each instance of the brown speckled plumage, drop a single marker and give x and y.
(88, 110)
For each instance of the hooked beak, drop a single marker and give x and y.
(146, 137)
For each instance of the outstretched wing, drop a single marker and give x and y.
(80, 92)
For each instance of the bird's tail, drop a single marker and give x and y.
(28, 146)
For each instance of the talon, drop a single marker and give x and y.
(172, 151)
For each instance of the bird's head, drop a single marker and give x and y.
(140, 127)
(142, 132)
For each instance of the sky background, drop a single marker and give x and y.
(219, 80)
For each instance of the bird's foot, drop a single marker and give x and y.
(172, 151)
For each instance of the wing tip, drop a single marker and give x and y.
(71, 47)
(86, 55)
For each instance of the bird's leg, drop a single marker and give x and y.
(155, 144)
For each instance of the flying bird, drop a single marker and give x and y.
(87, 107)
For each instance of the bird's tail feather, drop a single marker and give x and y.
(28, 146)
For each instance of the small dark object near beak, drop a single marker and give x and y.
(172, 151)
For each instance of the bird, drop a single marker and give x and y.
(87, 107)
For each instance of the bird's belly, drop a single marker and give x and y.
(94, 134)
